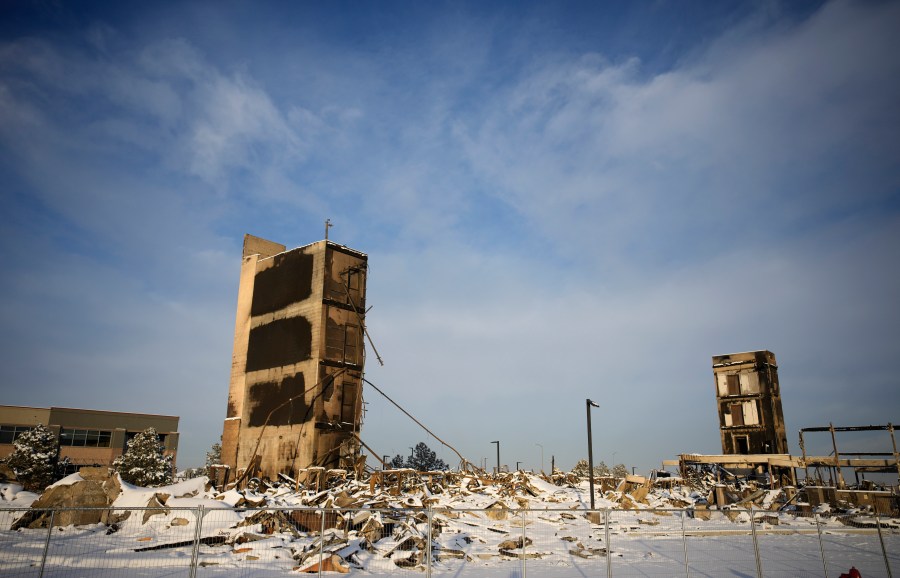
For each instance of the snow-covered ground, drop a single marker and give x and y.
(477, 530)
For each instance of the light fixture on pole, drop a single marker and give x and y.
(498, 455)
(588, 404)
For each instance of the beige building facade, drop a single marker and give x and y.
(86, 437)
(295, 394)
(748, 396)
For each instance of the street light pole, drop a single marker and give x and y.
(588, 404)
(542, 456)
(498, 455)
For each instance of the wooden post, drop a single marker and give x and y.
(896, 456)
(837, 459)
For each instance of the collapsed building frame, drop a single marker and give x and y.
(780, 470)
(778, 466)
(866, 462)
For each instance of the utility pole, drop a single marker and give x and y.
(588, 405)
(498, 455)
(328, 225)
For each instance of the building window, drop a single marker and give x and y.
(734, 384)
(353, 277)
(349, 393)
(742, 444)
(84, 438)
(334, 340)
(342, 338)
(9, 433)
(737, 414)
(351, 344)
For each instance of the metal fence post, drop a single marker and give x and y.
(887, 562)
(428, 550)
(821, 546)
(608, 545)
(195, 551)
(687, 565)
(523, 542)
(47, 543)
(322, 544)
(755, 544)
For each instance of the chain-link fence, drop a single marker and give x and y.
(495, 542)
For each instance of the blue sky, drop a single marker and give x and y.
(559, 201)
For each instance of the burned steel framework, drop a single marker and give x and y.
(866, 462)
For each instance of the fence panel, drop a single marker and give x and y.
(564, 543)
(890, 533)
(387, 541)
(646, 543)
(853, 541)
(469, 542)
(719, 540)
(213, 540)
(21, 551)
(245, 542)
(789, 544)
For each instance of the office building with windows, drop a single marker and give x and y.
(295, 395)
(749, 401)
(87, 437)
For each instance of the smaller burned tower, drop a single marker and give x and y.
(295, 395)
(749, 400)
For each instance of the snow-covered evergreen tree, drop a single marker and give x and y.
(144, 463)
(214, 455)
(34, 458)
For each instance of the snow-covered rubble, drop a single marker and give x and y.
(386, 522)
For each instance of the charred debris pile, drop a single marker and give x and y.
(699, 489)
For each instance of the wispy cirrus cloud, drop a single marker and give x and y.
(781, 121)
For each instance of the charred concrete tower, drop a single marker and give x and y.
(749, 400)
(295, 395)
